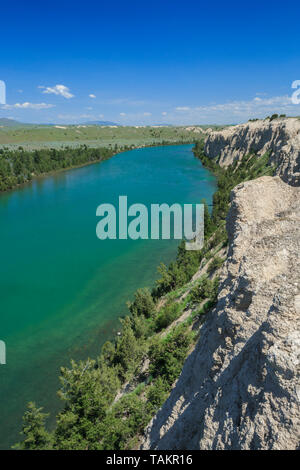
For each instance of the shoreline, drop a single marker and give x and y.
(74, 167)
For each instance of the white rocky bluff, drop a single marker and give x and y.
(239, 389)
(280, 137)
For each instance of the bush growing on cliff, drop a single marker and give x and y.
(35, 435)
(167, 356)
(216, 263)
(167, 315)
(208, 223)
(141, 326)
(128, 350)
(205, 289)
(157, 393)
(171, 277)
(143, 303)
(126, 419)
(87, 388)
(220, 236)
(108, 352)
(178, 272)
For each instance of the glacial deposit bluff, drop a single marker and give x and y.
(239, 388)
(280, 137)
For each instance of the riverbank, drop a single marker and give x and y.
(16, 166)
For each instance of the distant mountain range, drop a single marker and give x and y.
(11, 123)
(6, 122)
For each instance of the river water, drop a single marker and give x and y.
(61, 288)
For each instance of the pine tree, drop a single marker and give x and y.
(208, 223)
(35, 435)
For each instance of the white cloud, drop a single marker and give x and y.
(280, 103)
(235, 111)
(182, 108)
(61, 90)
(27, 105)
(73, 116)
(164, 113)
(135, 118)
(92, 96)
(77, 117)
(125, 101)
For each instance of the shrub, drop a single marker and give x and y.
(167, 356)
(179, 272)
(216, 263)
(205, 289)
(157, 393)
(33, 429)
(128, 351)
(141, 326)
(127, 417)
(143, 303)
(167, 315)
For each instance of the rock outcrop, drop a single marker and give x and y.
(280, 137)
(239, 389)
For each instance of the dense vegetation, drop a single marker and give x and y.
(17, 167)
(151, 350)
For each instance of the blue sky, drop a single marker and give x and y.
(137, 62)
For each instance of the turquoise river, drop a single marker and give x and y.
(61, 288)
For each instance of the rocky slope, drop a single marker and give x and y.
(239, 389)
(280, 137)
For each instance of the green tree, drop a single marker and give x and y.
(35, 435)
(167, 315)
(143, 303)
(108, 352)
(128, 352)
(205, 289)
(208, 223)
(216, 263)
(157, 393)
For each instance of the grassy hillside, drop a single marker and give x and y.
(36, 137)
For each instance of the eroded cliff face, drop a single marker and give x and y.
(239, 389)
(281, 138)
